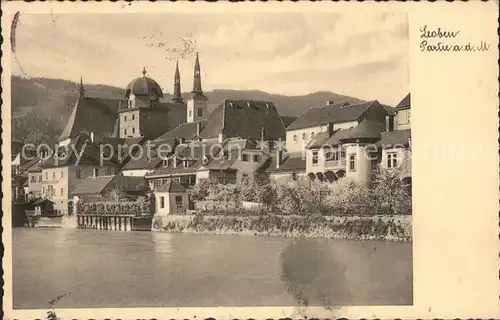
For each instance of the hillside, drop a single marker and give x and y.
(41, 107)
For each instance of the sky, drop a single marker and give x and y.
(362, 55)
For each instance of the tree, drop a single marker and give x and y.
(391, 193)
(117, 194)
(349, 197)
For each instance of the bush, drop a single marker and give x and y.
(391, 195)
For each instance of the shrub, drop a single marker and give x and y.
(390, 193)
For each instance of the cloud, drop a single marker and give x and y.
(289, 53)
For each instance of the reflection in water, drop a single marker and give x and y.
(163, 245)
(62, 268)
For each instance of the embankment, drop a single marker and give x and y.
(388, 228)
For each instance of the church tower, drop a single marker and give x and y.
(197, 103)
(177, 85)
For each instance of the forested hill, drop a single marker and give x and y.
(41, 107)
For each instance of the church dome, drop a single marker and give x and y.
(144, 86)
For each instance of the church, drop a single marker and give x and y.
(143, 112)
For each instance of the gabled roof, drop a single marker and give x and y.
(140, 160)
(247, 119)
(170, 186)
(336, 113)
(405, 103)
(288, 120)
(367, 129)
(186, 131)
(395, 138)
(91, 115)
(290, 163)
(95, 186)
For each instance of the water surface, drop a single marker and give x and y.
(68, 268)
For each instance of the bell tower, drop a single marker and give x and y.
(177, 85)
(197, 103)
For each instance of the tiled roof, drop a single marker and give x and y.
(140, 160)
(291, 163)
(94, 186)
(170, 186)
(245, 119)
(91, 115)
(405, 103)
(393, 138)
(187, 131)
(367, 129)
(288, 120)
(335, 113)
(318, 140)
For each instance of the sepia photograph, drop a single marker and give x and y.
(212, 159)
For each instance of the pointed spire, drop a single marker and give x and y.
(177, 85)
(81, 88)
(143, 71)
(197, 77)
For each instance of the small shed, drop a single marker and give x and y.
(44, 207)
(171, 198)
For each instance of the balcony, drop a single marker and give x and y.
(335, 164)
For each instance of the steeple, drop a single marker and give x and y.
(177, 85)
(197, 77)
(81, 88)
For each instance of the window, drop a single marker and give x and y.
(244, 157)
(40, 178)
(177, 179)
(62, 192)
(165, 163)
(330, 156)
(162, 202)
(315, 157)
(257, 158)
(108, 171)
(186, 164)
(294, 137)
(96, 173)
(304, 136)
(125, 117)
(133, 116)
(352, 162)
(33, 179)
(190, 113)
(62, 174)
(43, 191)
(200, 112)
(244, 175)
(133, 130)
(46, 176)
(78, 174)
(157, 183)
(408, 115)
(125, 131)
(53, 174)
(312, 134)
(392, 160)
(178, 200)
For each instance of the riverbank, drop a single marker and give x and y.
(384, 228)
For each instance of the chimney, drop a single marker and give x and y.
(182, 140)
(279, 158)
(95, 137)
(199, 127)
(221, 137)
(389, 123)
(330, 129)
(329, 102)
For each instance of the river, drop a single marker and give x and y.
(69, 268)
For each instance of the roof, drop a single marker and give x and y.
(95, 186)
(87, 152)
(291, 163)
(367, 129)
(288, 120)
(405, 103)
(170, 186)
(141, 161)
(318, 140)
(336, 113)
(248, 119)
(91, 115)
(390, 110)
(144, 86)
(395, 138)
(39, 201)
(186, 131)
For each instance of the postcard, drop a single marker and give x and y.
(193, 160)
